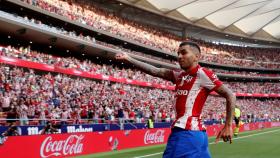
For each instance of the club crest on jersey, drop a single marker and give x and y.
(215, 78)
(187, 78)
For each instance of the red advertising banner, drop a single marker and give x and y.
(67, 145)
(50, 68)
(214, 129)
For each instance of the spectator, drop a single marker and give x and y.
(121, 117)
(11, 116)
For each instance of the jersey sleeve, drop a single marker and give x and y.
(209, 80)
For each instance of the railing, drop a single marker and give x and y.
(117, 121)
(61, 127)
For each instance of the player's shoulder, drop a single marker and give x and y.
(205, 71)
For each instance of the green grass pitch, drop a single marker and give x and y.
(253, 144)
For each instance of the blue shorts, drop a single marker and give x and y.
(187, 144)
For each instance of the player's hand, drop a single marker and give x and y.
(122, 56)
(226, 134)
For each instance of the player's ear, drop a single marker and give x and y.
(197, 54)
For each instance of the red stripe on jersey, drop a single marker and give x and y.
(188, 124)
(198, 105)
(199, 102)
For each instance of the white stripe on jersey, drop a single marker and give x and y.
(194, 124)
(190, 105)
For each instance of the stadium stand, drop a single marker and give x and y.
(59, 96)
(100, 19)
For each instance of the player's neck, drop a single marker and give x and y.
(194, 65)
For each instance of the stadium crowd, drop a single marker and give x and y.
(251, 109)
(80, 36)
(113, 70)
(29, 95)
(244, 73)
(26, 94)
(82, 65)
(102, 20)
(254, 87)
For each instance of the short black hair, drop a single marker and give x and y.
(190, 43)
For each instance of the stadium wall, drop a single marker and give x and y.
(66, 145)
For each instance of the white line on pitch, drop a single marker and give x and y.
(214, 142)
(149, 155)
(250, 135)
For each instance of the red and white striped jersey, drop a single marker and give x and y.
(192, 90)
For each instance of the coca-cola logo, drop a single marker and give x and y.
(69, 146)
(155, 137)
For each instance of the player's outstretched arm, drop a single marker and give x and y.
(226, 133)
(148, 68)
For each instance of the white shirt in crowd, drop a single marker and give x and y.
(23, 111)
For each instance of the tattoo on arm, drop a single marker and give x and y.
(230, 105)
(152, 70)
